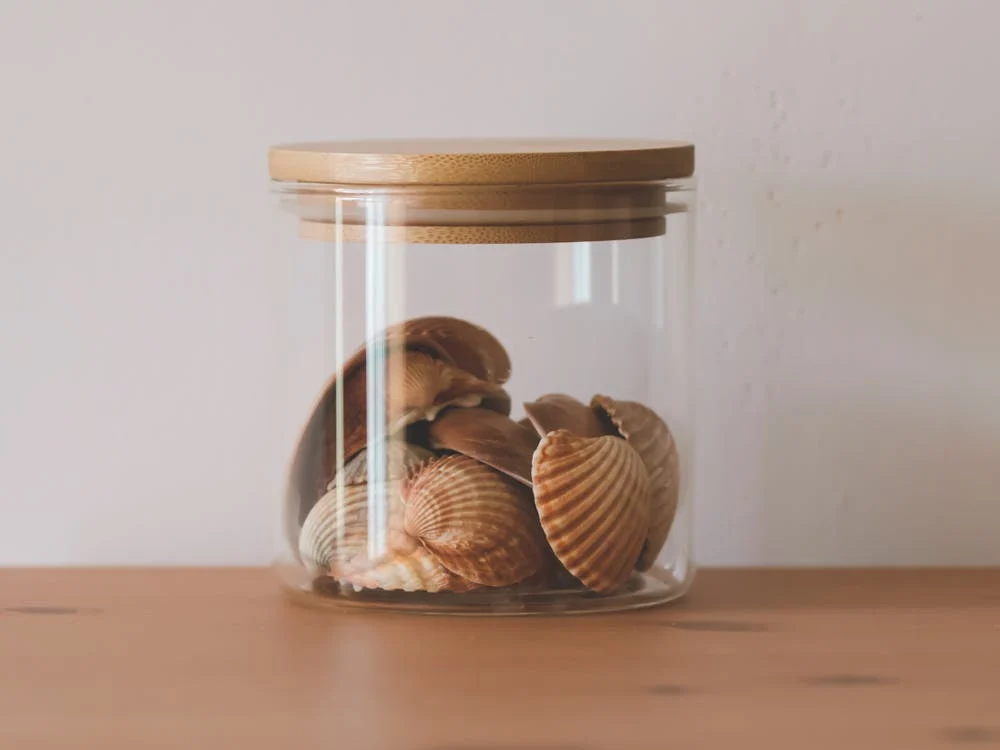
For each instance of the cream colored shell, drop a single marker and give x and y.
(335, 540)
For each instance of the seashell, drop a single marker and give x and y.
(418, 571)
(429, 385)
(467, 346)
(475, 356)
(651, 438)
(592, 496)
(417, 386)
(398, 457)
(315, 461)
(488, 437)
(334, 536)
(478, 523)
(551, 576)
(334, 540)
(557, 411)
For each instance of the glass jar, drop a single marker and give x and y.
(489, 385)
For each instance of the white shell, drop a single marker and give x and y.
(335, 540)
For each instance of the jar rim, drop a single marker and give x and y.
(485, 214)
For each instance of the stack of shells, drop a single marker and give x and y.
(468, 497)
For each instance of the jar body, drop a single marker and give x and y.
(497, 427)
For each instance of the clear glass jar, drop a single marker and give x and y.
(489, 391)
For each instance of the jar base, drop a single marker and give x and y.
(640, 591)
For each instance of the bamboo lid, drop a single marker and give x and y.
(481, 161)
(475, 191)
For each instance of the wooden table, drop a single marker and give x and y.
(753, 659)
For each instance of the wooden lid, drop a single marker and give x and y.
(488, 234)
(481, 161)
(481, 191)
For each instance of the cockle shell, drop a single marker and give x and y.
(651, 438)
(419, 570)
(557, 411)
(592, 496)
(469, 347)
(335, 533)
(478, 523)
(335, 540)
(476, 356)
(397, 457)
(430, 385)
(488, 437)
(551, 576)
(416, 386)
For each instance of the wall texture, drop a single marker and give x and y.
(849, 256)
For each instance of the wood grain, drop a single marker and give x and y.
(479, 191)
(217, 658)
(489, 234)
(486, 161)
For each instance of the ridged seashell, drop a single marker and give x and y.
(418, 571)
(334, 540)
(478, 523)
(557, 411)
(334, 536)
(398, 457)
(429, 385)
(468, 346)
(651, 438)
(488, 437)
(593, 503)
(315, 460)
(417, 386)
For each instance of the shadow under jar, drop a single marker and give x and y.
(489, 391)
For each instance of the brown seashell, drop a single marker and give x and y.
(551, 576)
(651, 438)
(488, 437)
(557, 411)
(478, 523)
(315, 461)
(398, 458)
(430, 385)
(468, 346)
(334, 540)
(475, 356)
(593, 503)
(417, 386)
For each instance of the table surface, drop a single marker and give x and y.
(218, 658)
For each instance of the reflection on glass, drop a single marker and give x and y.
(573, 278)
(615, 275)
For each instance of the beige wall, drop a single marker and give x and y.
(849, 260)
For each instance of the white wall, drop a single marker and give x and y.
(849, 250)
